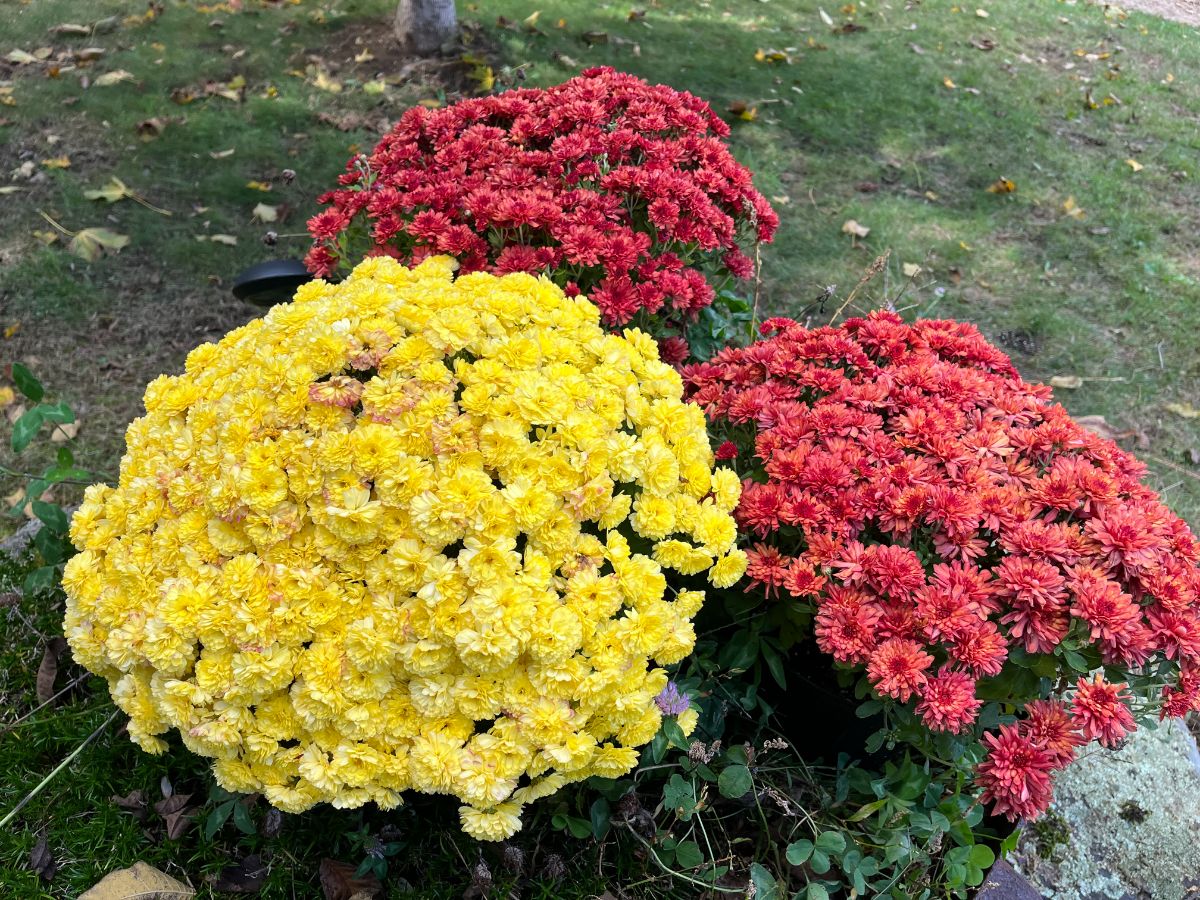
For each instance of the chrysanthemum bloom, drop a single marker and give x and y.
(1100, 711)
(613, 187)
(917, 501)
(382, 539)
(1016, 774)
(948, 701)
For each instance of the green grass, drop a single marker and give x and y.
(855, 126)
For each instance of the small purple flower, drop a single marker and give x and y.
(671, 702)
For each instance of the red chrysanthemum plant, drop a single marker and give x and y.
(613, 187)
(946, 530)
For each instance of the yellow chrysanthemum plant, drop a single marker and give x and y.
(406, 532)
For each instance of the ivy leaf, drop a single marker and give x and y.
(798, 852)
(90, 243)
(765, 885)
(26, 383)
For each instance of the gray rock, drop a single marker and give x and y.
(1006, 883)
(1129, 822)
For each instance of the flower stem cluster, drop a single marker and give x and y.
(408, 532)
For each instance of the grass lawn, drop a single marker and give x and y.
(898, 116)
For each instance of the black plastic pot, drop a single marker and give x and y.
(271, 282)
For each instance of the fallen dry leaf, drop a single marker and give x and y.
(177, 815)
(41, 860)
(339, 883)
(1134, 164)
(265, 213)
(90, 243)
(139, 881)
(222, 154)
(244, 877)
(984, 44)
(116, 76)
(741, 110)
(7, 396)
(48, 670)
(948, 82)
(911, 270)
(133, 803)
(1070, 208)
(1184, 410)
(20, 58)
(10, 189)
(228, 240)
(853, 228)
(57, 162)
(259, 185)
(1068, 382)
(64, 431)
(149, 129)
(1002, 186)
(70, 28)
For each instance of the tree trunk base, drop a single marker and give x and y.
(423, 27)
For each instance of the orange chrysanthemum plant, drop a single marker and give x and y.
(995, 577)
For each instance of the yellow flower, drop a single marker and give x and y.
(392, 536)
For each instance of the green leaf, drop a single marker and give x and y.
(25, 428)
(688, 855)
(735, 782)
(774, 664)
(52, 516)
(41, 579)
(798, 852)
(242, 818)
(65, 458)
(216, 819)
(674, 734)
(819, 862)
(600, 818)
(765, 885)
(57, 412)
(816, 891)
(580, 828)
(26, 383)
(867, 810)
(51, 546)
(831, 841)
(1076, 661)
(982, 856)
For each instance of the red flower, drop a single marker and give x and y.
(897, 668)
(597, 182)
(727, 450)
(1015, 776)
(1049, 724)
(1100, 712)
(948, 701)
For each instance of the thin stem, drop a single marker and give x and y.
(5, 470)
(4, 729)
(674, 874)
(62, 765)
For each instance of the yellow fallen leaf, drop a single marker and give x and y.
(228, 240)
(1185, 410)
(430, 103)
(374, 87)
(932, 196)
(911, 270)
(221, 154)
(90, 243)
(7, 396)
(140, 880)
(108, 79)
(323, 82)
(981, 13)
(531, 19)
(825, 17)
(1134, 164)
(1067, 382)
(1071, 209)
(259, 185)
(10, 189)
(743, 110)
(46, 237)
(57, 162)
(1002, 186)
(771, 56)
(365, 55)
(11, 330)
(20, 58)
(948, 83)
(115, 190)
(266, 213)
(853, 228)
